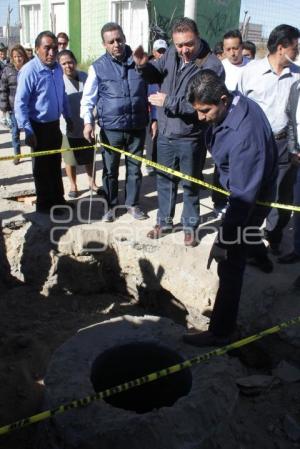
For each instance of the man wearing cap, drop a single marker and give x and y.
(180, 142)
(159, 48)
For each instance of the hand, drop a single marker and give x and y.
(139, 56)
(88, 132)
(217, 253)
(70, 125)
(157, 99)
(153, 129)
(31, 141)
(295, 159)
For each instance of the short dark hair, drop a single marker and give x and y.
(67, 53)
(64, 35)
(111, 26)
(218, 48)
(248, 45)
(185, 24)
(282, 35)
(233, 34)
(206, 87)
(43, 34)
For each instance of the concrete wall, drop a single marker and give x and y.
(75, 27)
(94, 14)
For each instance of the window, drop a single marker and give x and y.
(31, 22)
(133, 18)
(58, 18)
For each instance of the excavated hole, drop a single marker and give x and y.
(128, 362)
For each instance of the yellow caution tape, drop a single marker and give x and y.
(178, 174)
(77, 403)
(143, 160)
(44, 153)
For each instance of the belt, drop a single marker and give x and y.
(280, 136)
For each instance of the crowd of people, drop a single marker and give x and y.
(176, 103)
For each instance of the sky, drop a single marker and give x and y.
(3, 11)
(271, 13)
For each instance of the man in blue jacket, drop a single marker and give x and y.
(120, 96)
(245, 153)
(180, 142)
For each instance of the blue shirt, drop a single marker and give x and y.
(245, 152)
(40, 95)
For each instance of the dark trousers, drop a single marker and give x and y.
(133, 142)
(47, 169)
(279, 218)
(297, 214)
(231, 272)
(186, 156)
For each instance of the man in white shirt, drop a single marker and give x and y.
(234, 61)
(268, 82)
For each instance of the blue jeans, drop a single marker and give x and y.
(297, 214)
(15, 134)
(184, 155)
(133, 142)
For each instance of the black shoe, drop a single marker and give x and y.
(289, 258)
(207, 338)
(263, 263)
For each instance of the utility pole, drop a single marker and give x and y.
(9, 11)
(190, 9)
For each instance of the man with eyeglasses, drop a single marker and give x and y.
(120, 95)
(180, 142)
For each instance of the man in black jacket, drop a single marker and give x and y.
(181, 136)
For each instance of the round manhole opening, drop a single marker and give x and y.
(128, 362)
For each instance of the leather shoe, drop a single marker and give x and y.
(190, 239)
(158, 231)
(289, 258)
(207, 338)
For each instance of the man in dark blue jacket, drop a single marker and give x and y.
(180, 142)
(120, 95)
(245, 153)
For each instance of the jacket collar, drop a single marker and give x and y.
(235, 114)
